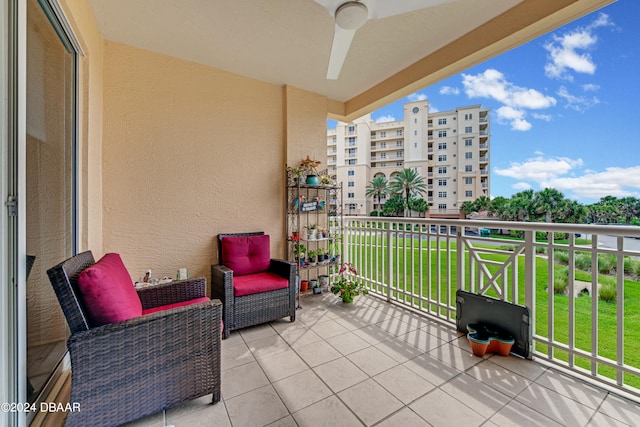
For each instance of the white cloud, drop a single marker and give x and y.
(433, 109)
(448, 90)
(516, 100)
(539, 116)
(590, 87)
(521, 186)
(387, 118)
(565, 174)
(416, 97)
(567, 52)
(577, 103)
(540, 169)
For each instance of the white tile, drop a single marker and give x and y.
(210, 415)
(404, 418)
(396, 327)
(399, 350)
(256, 408)
(372, 361)
(267, 346)
(328, 329)
(287, 421)
(340, 374)
(601, 420)
(524, 367)
(298, 335)
(242, 379)
(328, 412)
(507, 382)
(455, 356)
(256, 332)
(477, 395)
(555, 406)
(317, 353)
(301, 390)
(422, 340)
(404, 384)
(621, 409)
(370, 401)
(348, 343)
(515, 414)
(440, 409)
(235, 356)
(572, 388)
(282, 365)
(431, 369)
(374, 335)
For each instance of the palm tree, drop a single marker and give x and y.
(408, 182)
(378, 188)
(549, 202)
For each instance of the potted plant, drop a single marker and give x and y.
(322, 255)
(294, 174)
(348, 288)
(325, 180)
(312, 257)
(299, 250)
(312, 231)
(309, 166)
(317, 288)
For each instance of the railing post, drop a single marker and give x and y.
(389, 263)
(530, 281)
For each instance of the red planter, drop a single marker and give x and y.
(304, 285)
(485, 339)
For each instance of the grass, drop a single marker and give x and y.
(437, 281)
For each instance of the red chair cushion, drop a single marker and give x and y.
(246, 254)
(107, 292)
(174, 305)
(259, 282)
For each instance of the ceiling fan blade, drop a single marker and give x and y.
(339, 49)
(384, 8)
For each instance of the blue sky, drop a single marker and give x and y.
(565, 108)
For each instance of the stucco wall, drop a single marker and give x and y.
(188, 152)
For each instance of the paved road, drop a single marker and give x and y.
(611, 242)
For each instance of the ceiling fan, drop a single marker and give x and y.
(351, 15)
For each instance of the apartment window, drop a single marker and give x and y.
(383, 145)
(352, 206)
(442, 194)
(399, 132)
(351, 184)
(442, 121)
(399, 154)
(334, 139)
(468, 181)
(468, 142)
(442, 146)
(442, 170)
(383, 155)
(383, 165)
(442, 158)
(352, 162)
(468, 116)
(442, 183)
(468, 168)
(351, 128)
(351, 173)
(415, 120)
(468, 129)
(398, 143)
(415, 132)
(415, 145)
(383, 134)
(398, 163)
(351, 195)
(468, 155)
(468, 193)
(442, 134)
(442, 206)
(352, 140)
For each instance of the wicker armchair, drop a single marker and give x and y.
(256, 308)
(127, 370)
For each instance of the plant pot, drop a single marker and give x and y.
(323, 280)
(313, 180)
(347, 298)
(484, 339)
(317, 290)
(304, 285)
(313, 283)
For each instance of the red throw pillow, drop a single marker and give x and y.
(107, 292)
(246, 254)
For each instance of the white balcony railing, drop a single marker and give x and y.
(582, 292)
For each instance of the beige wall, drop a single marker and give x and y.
(188, 152)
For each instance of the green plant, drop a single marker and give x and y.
(346, 287)
(607, 293)
(560, 280)
(299, 249)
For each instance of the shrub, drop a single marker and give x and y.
(606, 263)
(607, 293)
(583, 261)
(562, 257)
(560, 280)
(635, 270)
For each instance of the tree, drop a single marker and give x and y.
(418, 205)
(550, 203)
(520, 207)
(393, 206)
(378, 188)
(408, 182)
(467, 207)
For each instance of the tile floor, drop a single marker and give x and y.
(373, 363)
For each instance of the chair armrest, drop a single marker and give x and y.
(173, 292)
(283, 268)
(222, 283)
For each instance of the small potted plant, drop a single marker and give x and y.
(348, 288)
(322, 255)
(299, 250)
(294, 174)
(312, 231)
(317, 288)
(312, 257)
(325, 180)
(309, 166)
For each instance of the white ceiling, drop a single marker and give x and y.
(289, 41)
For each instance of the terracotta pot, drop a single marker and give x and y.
(304, 285)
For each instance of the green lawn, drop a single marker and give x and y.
(432, 283)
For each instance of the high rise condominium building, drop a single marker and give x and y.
(450, 149)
